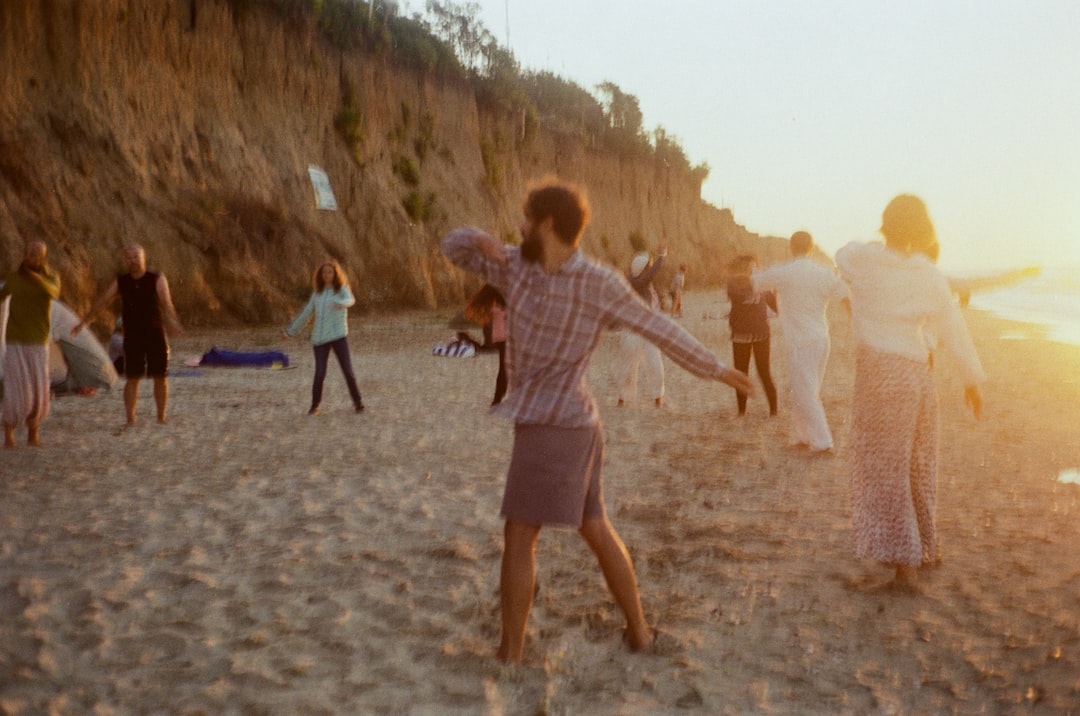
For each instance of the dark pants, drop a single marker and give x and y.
(322, 357)
(741, 357)
(500, 379)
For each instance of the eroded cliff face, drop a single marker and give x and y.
(188, 126)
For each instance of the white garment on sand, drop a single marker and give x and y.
(26, 384)
(633, 348)
(804, 288)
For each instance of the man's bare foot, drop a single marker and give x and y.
(641, 643)
(33, 436)
(503, 655)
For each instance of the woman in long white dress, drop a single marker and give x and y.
(899, 300)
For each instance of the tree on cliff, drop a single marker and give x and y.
(624, 118)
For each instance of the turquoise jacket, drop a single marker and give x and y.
(329, 307)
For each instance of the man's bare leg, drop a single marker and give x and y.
(516, 585)
(161, 396)
(9, 436)
(618, 570)
(131, 397)
(33, 434)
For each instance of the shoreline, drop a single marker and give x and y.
(248, 557)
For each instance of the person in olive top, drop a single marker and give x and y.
(32, 288)
(148, 313)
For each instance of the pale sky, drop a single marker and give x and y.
(813, 115)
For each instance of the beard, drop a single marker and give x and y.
(532, 250)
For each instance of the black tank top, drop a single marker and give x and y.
(139, 302)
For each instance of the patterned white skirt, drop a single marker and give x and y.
(894, 459)
(26, 384)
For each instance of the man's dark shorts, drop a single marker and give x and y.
(146, 356)
(554, 476)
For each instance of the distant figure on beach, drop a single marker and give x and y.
(328, 305)
(678, 285)
(32, 288)
(897, 293)
(147, 311)
(964, 287)
(488, 308)
(559, 303)
(805, 288)
(749, 321)
(116, 346)
(632, 346)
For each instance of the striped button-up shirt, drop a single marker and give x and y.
(555, 321)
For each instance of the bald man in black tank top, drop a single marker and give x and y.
(148, 313)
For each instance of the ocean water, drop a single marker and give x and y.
(1051, 299)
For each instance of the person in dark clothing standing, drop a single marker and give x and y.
(488, 308)
(749, 320)
(148, 313)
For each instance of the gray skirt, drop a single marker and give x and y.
(554, 476)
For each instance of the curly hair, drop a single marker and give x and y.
(339, 280)
(565, 203)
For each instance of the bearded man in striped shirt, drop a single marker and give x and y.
(559, 303)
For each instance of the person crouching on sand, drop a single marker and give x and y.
(559, 303)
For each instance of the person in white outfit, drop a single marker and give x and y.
(804, 288)
(901, 308)
(633, 347)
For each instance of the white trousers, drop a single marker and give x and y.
(807, 358)
(26, 384)
(633, 348)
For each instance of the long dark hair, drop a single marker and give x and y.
(479, 306)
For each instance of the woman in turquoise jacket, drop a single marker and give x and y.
(329, 303)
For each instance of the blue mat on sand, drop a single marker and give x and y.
(264, 359)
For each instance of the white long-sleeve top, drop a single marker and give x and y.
(896, 298)
(805, 288)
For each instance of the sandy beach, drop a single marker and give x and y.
(250, 559)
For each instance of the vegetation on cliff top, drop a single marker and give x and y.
(449, 40)
(183, 145)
